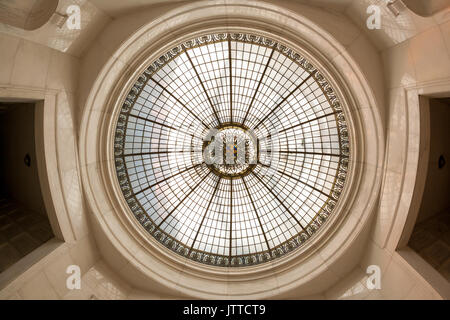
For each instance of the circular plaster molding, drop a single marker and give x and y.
(147, 256)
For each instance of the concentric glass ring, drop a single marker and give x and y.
(248, 88)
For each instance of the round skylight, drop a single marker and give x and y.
(231, 149)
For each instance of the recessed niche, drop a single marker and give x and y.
(431, 234)
(24, 225)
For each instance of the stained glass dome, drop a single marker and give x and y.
(232, 149)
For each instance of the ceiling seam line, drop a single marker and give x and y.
(259, 84)
(309, 121)
(182, 104)
(204, 216)
(282, 101)
(204, 88)
(257, 215)
(167, 178)
(185, 197)
(231, 78)
(165, 125)
(278, 199)
(306, 184)
(231, 218)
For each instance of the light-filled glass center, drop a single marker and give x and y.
(231, 151)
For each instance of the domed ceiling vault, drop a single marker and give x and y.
(249, 93)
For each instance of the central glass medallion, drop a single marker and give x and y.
(231, 150)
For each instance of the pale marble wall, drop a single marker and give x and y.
(63, 39)
(394, 30)
(398, 280)
(26, 66)
(416, 57)
(101, 283)
(36, 68)
(46, 279)
(412, 67)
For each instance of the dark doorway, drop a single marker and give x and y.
(431, 234)
(24, 223)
